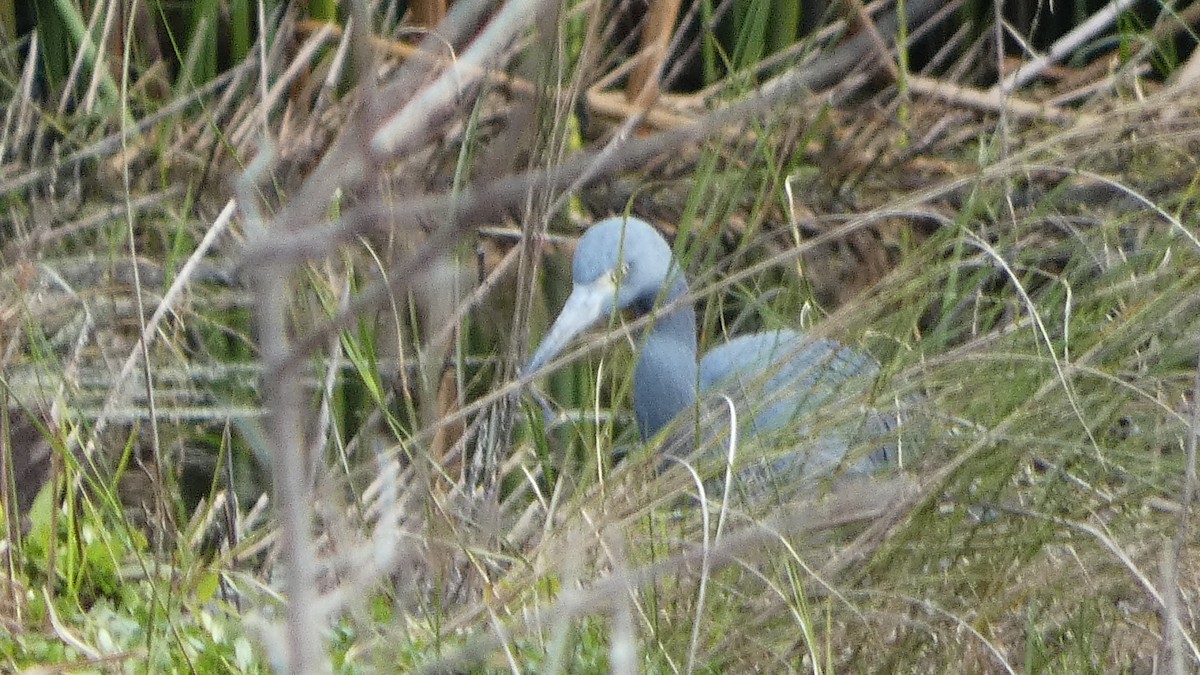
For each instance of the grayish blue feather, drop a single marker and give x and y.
(779, 380)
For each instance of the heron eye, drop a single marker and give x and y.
(617, 275)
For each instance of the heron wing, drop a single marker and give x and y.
(780, 379)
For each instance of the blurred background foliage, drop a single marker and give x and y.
(1029, 272)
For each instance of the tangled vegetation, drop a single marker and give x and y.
(269, 272)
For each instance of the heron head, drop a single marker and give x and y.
(620, 264)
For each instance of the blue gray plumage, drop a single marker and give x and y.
(778, 379)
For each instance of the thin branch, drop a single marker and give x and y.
(1063, 47)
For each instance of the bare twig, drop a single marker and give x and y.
(167, 304)
(657, 29)
(1173, 636)
(1063, 47)
(408, 128)
(994, 101)
(862, 19)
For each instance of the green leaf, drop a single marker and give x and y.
(206, 587)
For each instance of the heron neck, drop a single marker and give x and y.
(664, 380)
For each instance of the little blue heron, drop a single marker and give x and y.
(775, 378)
